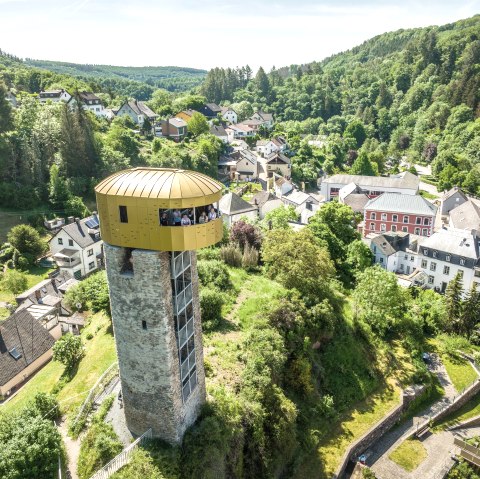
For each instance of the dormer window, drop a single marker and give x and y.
(434, 254)
(462, 261)
(425, 252)
(448, 257)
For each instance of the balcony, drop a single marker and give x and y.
(67, 258)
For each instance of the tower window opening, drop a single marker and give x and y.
(123, 214)
(144, 324)
(127, 264)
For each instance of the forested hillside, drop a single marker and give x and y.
(169, 78)
(412, 93)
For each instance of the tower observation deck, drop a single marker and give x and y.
(152, 220)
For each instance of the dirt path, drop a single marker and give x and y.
(72, 446)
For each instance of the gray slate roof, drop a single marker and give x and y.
(231, 204)
(407, 181)
(30, 339)
(356, 201)
(260, 198)
(451, 192)
(218, 130)
(396, 202)
(390, 243)
(466, 216)
(47, 287)
(79, 233)
(141, 108)
(456, 242)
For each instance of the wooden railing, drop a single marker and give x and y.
(123, 458)
(467, 451)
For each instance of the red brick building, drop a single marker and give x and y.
(396, 212)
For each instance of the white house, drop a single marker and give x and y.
(229, 115)
(220, 133)
(405, 183)
(234, 208)
(89, 102)
(466, 216)
(281, 186)
(266, 147)
(265, 118)
(451, 199)
(265, 202)
(54, 96)
(77, 247)
(446, 253)
(241, 131)
(137, 111)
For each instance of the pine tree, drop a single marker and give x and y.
(453, 303)
(471, 310)
(362, 166)
(6, 121)
(262, 83)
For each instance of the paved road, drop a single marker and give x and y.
(438, 446)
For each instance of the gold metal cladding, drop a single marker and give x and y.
(144, 191)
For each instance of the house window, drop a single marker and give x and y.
(417, 231)
(446, 270)
(405, 219)
(372, 226)
(373, 216)
(404, 229)
(91, 265)
(433, 266)
(60, 240)
(123, 214)
(70, 242)
(384, 216)
(424, 263)
(425, 252)
(406, 256)
(394, 228)
(477, 273)
(426, 221)
(430, 279)
(383, 227)
(381, 260)
(425, 232)
(462, 261)
(418, 221)
(395, 218)
(448, 257)
(90, 252)
(460, 273)
(411, 258)
(434, 254)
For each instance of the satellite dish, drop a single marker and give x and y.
(78, 305)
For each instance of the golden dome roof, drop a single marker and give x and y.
(162, 184)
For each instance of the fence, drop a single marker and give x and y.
(123, 458)
(102, 382)
(467, 451)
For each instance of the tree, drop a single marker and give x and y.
(197, 124)
(59, 193)
(14, 281)
(380, 300)
(68, 350)
(470, 310)
(161, 102)
(359, 257)
(6, 118)
(362, 166)
(27, 241)
(297, 261)
(245, 234)
(453, 302)
(91, 293)
(279, 218)
(356, 130)
(262, 83)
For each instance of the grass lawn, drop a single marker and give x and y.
(467, 411)
(460, 372)
(409, 455)
(99, 355)
(35, 274)
(428, 195)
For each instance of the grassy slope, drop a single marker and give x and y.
(99, 354)
(460, 372)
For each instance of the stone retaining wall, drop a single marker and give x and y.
(378, 430)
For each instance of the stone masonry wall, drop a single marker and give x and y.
(148, 358)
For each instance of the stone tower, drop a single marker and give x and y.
(152, 221)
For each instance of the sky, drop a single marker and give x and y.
(208, 33)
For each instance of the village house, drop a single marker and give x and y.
(138, 111)
(234, 208)
(266, 119)
(173, 128)
(25, 347)
(77, 247)
(399, 212)
(352, 196)
(275, 163)
(448, 252)
(110, 113)
(210, 110)
(395, 252)
(252, 123)
(451, 199)
(265, 202)
(219, 132)
(466, 216)
(281, 185)
(54, 96)
(241, 164)
(228, 114)
(89, 102)
(185, 115)
(266, 147)
(405, 183)
(240, 131)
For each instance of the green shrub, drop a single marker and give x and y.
(208, 253)
(214, 273)
(211, 302)
(231, 255)
(14, 281)
(89, 336)
(91, 293)
(22, 263)
(98, 447)
(250, 258)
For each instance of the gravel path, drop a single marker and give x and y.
(72, 446)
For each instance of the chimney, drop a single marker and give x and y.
(77, 220)
(70, 219)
